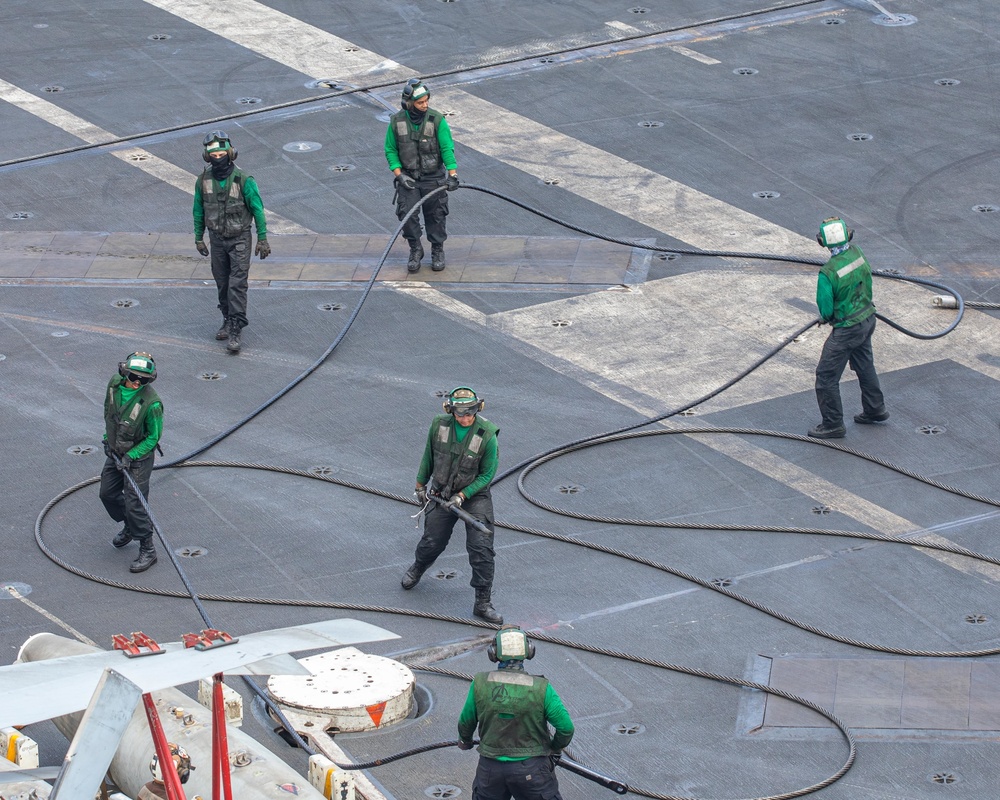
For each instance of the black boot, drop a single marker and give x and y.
(412, 576)
(223, 332)
(437, 257)
(122, 538)
(824, 431)
(146, 557)
(234, 344)
(416, 253)
(864, 418)
(484, 608)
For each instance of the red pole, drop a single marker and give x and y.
(220, 743)
(171, 780)
(215, 751)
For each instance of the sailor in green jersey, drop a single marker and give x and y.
(419, 148)
(133, 423)
(844, 299)
(513, 711)
(459, 462)
(226, 201)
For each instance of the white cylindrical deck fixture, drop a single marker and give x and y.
(349, 692)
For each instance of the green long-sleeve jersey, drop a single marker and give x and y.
(154, 423)
(251, 197)
(487, 466)
(556, 715)
(445, 142)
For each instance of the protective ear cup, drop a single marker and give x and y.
(833, 232)
(408, 90)
(493, 653)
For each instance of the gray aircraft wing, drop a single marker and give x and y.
(39, 690)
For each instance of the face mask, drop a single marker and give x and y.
(222, 167)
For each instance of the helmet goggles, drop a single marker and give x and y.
(135, 377)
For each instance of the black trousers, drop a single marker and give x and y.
(435, 210)
(531, 779)
(121, 501)
(438, 526)
(231, 270)
(851, 345)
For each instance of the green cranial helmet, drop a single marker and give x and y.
(833, 232)
(510, 644)
(463, 399)
(138, 367)
(217, 142)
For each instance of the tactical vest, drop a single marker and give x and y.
(126, 426)
(851, 278)
(511, 710)
(456, 464)
(226, 211)
(418, 148)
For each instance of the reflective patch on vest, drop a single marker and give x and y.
(519, 678)
(234, 190)
(111, 395)
(135, 411)
(402, 128)
(443, 433)
(206, 186)
(476, 443)
(845, 270)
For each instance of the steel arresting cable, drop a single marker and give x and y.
(199, 598)
(371, 87)
(528, 466)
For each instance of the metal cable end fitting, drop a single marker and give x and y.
(945, 301)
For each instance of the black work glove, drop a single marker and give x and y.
(202, 247)
(555, 758)
(263, 249)
(465, 745)
(421, 493)
(107, 448)
(452, 183)
(124, 463)
(406, 181)
(456, 500)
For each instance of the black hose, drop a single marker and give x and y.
(933, 285)
(202, 611)
(531, 464)
(326, 353)
(541, 636)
